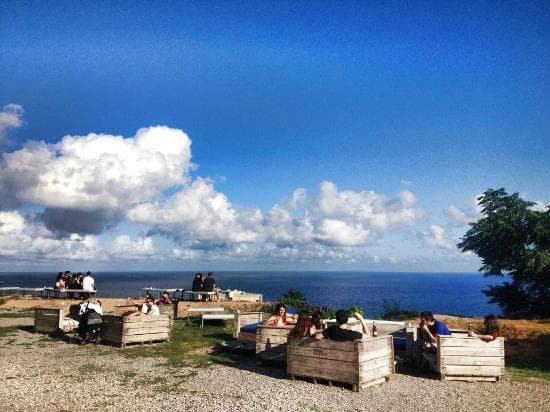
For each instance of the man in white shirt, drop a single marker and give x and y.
(148, 308)
(86, 304)
(88, 282)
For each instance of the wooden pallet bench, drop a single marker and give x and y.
(271, 342)
(121, 331)
(53, 320)
(243, 319)
(460, 357)
(361, 363)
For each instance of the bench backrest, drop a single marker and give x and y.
(459, 355)
(48, 320)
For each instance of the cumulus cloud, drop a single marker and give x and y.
(97, 173)
(84, 185)
(10, 118)
(462, 216)
(124, 247)
(22, 238)
(435, 238)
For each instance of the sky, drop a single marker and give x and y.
(265, 135)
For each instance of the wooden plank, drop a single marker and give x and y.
(373, 382)
(313, 372)
(143, 318)
(374, 364)
(323, 364)
(246, 337)
(156, 324)
(370, 344)
(472, 378)
(320, 353)
(473, 360)
(465, 351)
(468, 342)
(143, 331)
(146, 338)
(379, 353)
(379, 372)
(326, 344)
(459, 370)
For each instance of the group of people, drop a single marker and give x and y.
(78, 281)
(311, 326)
(205, 284)
(150, 307)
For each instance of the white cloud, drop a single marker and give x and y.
(435, 238)
(463, 216)
(540, 206)
(97, 173)
(23, 239)
(124, 247)
(196, 212)
(10, 118)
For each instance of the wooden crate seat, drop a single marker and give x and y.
(460, 357)
(361, 363)
(120, 331)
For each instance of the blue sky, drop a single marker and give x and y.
(439, 100)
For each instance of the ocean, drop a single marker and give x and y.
(449, 293)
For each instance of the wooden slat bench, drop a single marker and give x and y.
(465, 358)
(361, 363)
(120, 331)
(271, 342)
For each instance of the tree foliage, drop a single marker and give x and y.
(513, 239)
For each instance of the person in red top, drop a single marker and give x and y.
(165, 300)
(492, 329)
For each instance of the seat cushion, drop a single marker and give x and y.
(251, 327)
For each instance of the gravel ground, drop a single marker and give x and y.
(53, 375)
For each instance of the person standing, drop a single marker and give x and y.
(88, 283)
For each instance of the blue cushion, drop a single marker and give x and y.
(250, 328)
(292, 311)
(399, 344)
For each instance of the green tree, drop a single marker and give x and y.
(513, 239)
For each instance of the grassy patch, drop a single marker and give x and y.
(528, 373)
(21, 314)
(184, 347)
(7, 331)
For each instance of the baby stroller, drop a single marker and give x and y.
(89, 327)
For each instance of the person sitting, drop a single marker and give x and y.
(315, 323)
(165, 300)
(88, 282)
(341, 332)
(209, 284)
(198, 284)
(148, 308)
(430, 327)
(303, 327)
(59, 281)
(491, 329)
(280, 317)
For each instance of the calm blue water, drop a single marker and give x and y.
(450, 293)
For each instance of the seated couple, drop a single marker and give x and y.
(340, 332)
(431, 327)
